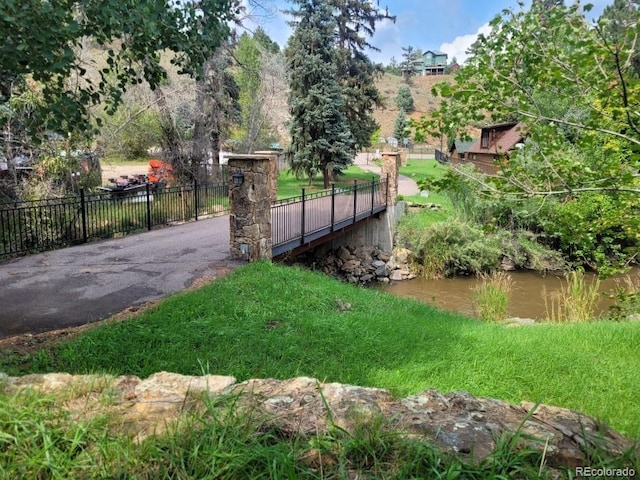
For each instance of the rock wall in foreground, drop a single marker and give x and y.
(457, 422)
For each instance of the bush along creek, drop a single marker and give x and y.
(561, 263)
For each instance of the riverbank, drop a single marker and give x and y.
(271, 321)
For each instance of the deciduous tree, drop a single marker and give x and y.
(41, 38)
(577, 94)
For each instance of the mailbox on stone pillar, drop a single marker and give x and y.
(390, 172)
(250, 204)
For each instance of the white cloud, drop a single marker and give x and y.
(387, 38)
(460, 45)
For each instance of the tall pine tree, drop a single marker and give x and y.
(320, 135)
(355, 23)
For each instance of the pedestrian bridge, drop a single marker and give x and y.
(311, 219)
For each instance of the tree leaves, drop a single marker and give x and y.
(575, 88)
(41, 38)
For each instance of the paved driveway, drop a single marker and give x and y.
(86, 283)
(406, 186)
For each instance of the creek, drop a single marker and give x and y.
(527, 296)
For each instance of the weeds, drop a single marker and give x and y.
(627, 299)
(491, 296)
(226, 438)
(575, 302)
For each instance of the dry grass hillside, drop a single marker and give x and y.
(420, 87)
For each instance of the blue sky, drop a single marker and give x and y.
(447, 25)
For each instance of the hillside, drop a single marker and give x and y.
(420, 87)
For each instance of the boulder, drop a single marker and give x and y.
(456, 422)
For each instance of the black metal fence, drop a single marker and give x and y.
(36, 226)
(299, 220)
(442, 157)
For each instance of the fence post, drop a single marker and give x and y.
(386, 195)
(195, 199)
(333, 206)
(373, 193)
(302, 227)
(148, 207)
(83, 212)
(355, 200)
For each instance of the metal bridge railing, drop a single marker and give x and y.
(299, 220)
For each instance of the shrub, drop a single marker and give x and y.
(404, 99)
(627, 299)
(455, 247)
(491, 296)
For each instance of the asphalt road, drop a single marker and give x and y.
(86, 283)
(83, 284)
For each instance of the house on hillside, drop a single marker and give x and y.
(494, 146)
(459, 149)
(432, 62)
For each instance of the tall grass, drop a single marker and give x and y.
(627, 299)
(270, 321)
(491, 296)
(216, 439)
(576, 301)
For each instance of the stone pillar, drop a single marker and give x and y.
(273, 165)
(403, 157)
(250, 218)
(390, 169)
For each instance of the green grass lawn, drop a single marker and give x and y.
(419, 169)
(290, 186)
(267, 320)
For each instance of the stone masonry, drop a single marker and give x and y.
(250, 218)
(390, 170)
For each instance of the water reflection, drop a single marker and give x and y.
(527, 296)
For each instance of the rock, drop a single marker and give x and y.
(517, 321)
(361, 265)
(457, 422)
(396, 276)
(367, 278)
(507, 264)
(392, 264)
(351, 266)
(402, 255)
(343, 254)
(343, 306)
(385, 257)
(382, 271)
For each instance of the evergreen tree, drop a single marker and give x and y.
(265, 41)
(404, 99)
(401, 126)
(355, 24)
(320, 136)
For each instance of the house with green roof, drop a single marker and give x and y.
(432, 62)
